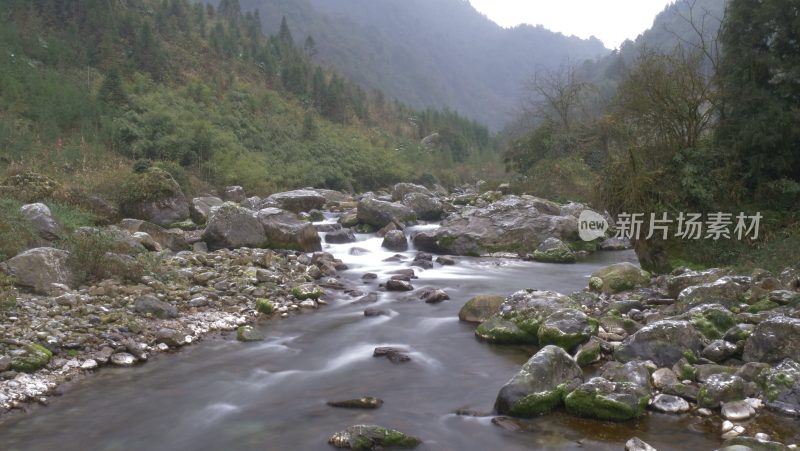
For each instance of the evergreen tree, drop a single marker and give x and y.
(285, 35)
(758, 79)
(111, 92)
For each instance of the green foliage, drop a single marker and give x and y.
(70, 217)
(15, 229)
(758, 79)
(90, 260)
(152, 184)
(8, 293)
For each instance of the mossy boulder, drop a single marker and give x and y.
(683, 278)
(720, 388)
(521, 315)
(248, 334)
(30, 187)
(567, 329)
(307, 291)
(781, 387)
(664, 342)
(364, 437)
(35, 357)
(774, 340)
(232, 226)
(378, 213)
(724, 291)
(540, 384)
(622, 277)
(153, 196)
(553, 250)
(480, 308)
(602, 399)
(711, 320)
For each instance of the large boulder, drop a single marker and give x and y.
(426, 207)
(201, 208)
(622, 276)
(401, 190)
(682, 279)
(721, 388)
(553, 250)
(151, 305)
(520, 316)
(540, 385)
(233, 193)
(232, 226)
(664, 342)
(480, 308)
(285, 231)
(38, 269)
(567, 329)
(154, 196)
(774, 340)
(172, 239)
(724, 291)
(340, 236)
(512, 224)
(378, 213)
(395, 240)
(42, 221)
(781, 387)
(297, 201)
(620, 393)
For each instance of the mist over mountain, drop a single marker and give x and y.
(440, 53)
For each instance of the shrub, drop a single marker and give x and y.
(93, 256)
(152, 184)
(8, 293)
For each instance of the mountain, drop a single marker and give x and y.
(440, 53)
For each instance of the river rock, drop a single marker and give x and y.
(553, 250)
(368, 437)
(248, 334)
(621, 277)
(480, 308)
(284, 230)
(540, 384)
(340, 236)
(201, 208)
(669, 404)
(122, 359)
(378, 213)
(682, 279)
(426, 207)
(401, 190)
(38, 269)
(781, 386)
(521, 315)
(395, 355)
(567, 329)
(231, 227)
(774, 340)
(711, 320)
(719, 350)
(512, 224)
(721, 388)
(398, 285)
(637, 444)
(33, 357)
(296, 201)
(615, 244)
(151, 305)
(172, 239)
(737, 410)
(234, 193)
(602, 399)
(742, 443)
(434, 296)
(42, 221)
(589, 352)
(664, 342)
(664, 377)
(395, 240)
(366, 402)
(724, 291)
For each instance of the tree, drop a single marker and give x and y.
(285, 35)
(111, 92)
(555, 96)
(310, 47)
(758, 81)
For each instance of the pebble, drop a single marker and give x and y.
(737, 410)
(123, 359)
(89, 364)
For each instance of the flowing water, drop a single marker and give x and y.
(225, 395)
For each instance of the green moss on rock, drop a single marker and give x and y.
(265, 306)
(35, 357)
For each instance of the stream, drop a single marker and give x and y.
(225, 395)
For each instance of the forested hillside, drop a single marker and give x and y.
(90, 86)
(699, 114)
(428, 53)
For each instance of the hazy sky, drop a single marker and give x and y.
(611, 21)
